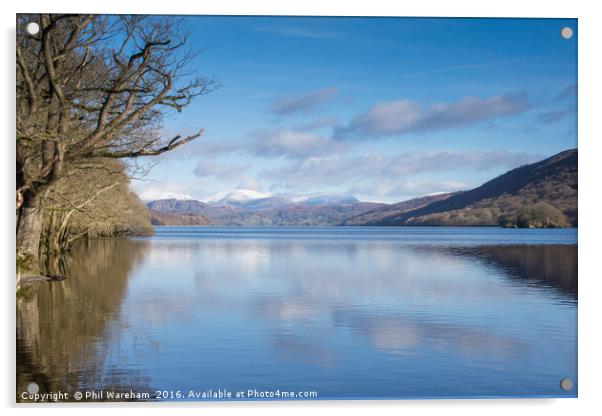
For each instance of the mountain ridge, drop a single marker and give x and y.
(540, 194)
(277, 211)
(508, 199)
(369, 217)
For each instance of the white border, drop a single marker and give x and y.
(590, 34)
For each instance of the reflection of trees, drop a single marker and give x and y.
(539, 265)
(62, 327)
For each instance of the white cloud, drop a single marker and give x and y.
(293, 104)
(211, 168)
(407, 187)
(394, 174)
(271, 142)
(251, 184)
(398, 117)
(317, 124)
(292, 144)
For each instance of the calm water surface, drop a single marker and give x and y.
(346, 312)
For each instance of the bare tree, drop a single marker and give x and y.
(91, 87)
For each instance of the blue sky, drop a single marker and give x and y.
(385, 109)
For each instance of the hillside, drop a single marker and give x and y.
(541, 194)
(170, 218)
(386, 211)
(298, 215)
(259, 212)
(172, 205)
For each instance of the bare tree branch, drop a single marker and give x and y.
(173, 143)
(93, 87)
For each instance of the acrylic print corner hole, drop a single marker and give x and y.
(566, 32)
(312, 209)
(32, 28)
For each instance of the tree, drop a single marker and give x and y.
(92, 87)
(100, 205)
(541, 215)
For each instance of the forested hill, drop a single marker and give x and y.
(386, 211)
(178, 206)
(541, 194)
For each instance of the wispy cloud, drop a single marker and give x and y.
(215, 147)
(292, 144)
(550, 117)
(293, 104)
(469, 69)
(381, 173)
(211, 168)
(556, 106)
(317, 124)
(388, 187)
(479, 65)
(392, 118)
(275, 142)
(570, 92)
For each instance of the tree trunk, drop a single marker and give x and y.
(29, 228)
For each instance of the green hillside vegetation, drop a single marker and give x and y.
(375, 215)
(542, 194)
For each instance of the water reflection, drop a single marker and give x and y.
(408, 335)
(348, 317)
(538, 265)
(64, 328)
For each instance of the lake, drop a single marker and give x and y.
(329, 312)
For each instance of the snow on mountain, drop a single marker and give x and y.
(156, 194)
(236, 196)
(255, 199)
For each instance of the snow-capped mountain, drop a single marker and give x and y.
(236, 196)
(251, 208)
(245, 198)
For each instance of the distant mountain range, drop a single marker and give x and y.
(240, 208)
(541, 194)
